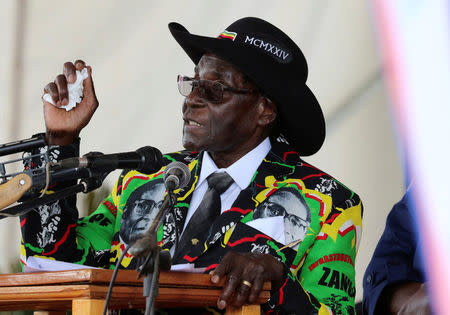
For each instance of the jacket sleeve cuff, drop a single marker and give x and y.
(37, 157)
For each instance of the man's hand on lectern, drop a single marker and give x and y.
(245, 276)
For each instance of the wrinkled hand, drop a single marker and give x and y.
(417, 304)
(63, 127)
(249, 267)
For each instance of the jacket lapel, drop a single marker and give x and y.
(174, 222)
(272, 169)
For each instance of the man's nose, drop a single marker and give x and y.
(194, 100)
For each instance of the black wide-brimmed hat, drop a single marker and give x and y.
(276, 65)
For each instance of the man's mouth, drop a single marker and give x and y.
(192, 123)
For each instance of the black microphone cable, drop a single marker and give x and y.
(113, 279)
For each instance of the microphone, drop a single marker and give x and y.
(145, 160)
(38, 140)
(176, 175)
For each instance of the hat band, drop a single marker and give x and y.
(268, 46)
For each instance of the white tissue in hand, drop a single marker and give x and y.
(75, 91)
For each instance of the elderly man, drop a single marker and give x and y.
(248, 117)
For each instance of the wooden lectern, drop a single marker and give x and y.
(84, 292)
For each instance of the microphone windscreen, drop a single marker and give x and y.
(180, 170)
(153, 159)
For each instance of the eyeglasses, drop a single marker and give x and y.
(272, 209)
(209, 90)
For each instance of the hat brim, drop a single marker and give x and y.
(301, 120)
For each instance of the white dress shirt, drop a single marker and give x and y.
(242, 172)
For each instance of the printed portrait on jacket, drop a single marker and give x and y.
(288, 203)
(140, 210)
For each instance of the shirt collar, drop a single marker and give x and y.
(242, 170)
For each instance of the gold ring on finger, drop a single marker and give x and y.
(247, 283)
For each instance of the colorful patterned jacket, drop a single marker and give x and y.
(319, 213)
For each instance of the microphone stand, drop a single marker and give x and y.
(90, 179)
(85, 185)
(155, 259)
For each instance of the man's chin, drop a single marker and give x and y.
(191, 145)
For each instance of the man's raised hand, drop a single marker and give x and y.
(63, 127)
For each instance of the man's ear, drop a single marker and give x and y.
(267, 112)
